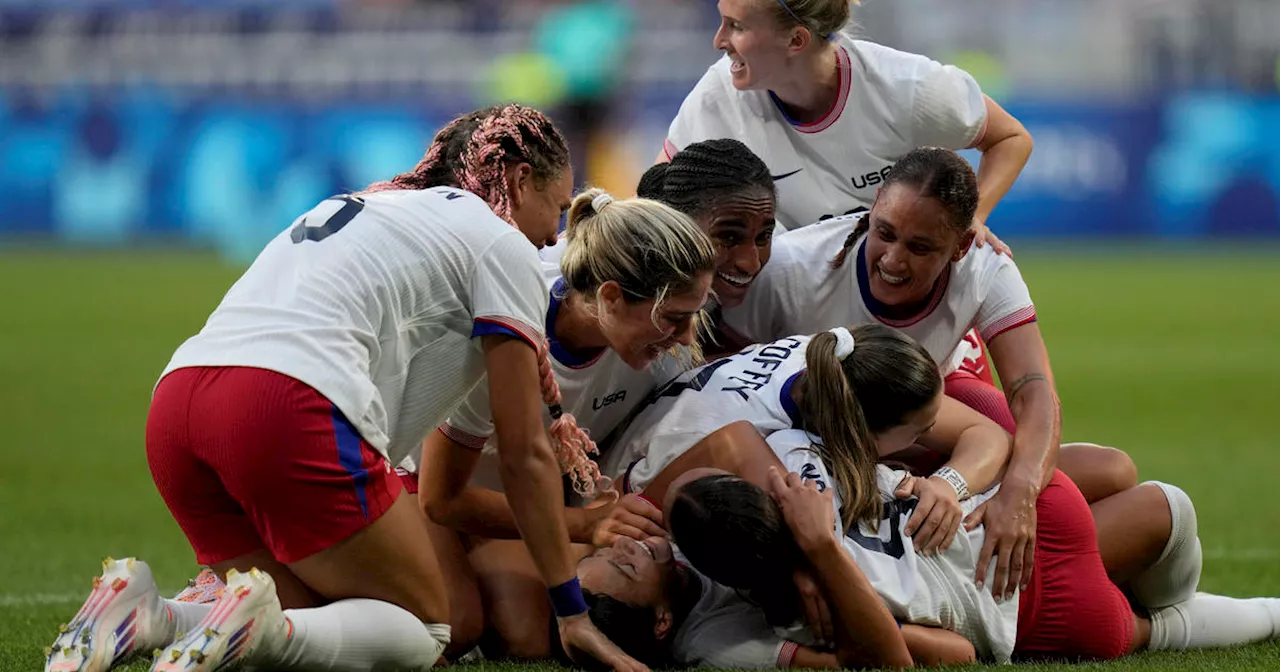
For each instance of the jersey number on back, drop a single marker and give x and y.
(351, 206)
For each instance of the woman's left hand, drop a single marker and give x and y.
(937, 516)
(983, 235)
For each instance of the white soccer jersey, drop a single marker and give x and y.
(890, 102)
(375, 301)
(936, 590)
(753, 385)
(798, 292)
(599, 392)
(723, 630)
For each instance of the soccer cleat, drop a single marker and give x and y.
(206, 588)
(246, 619)
(123, 616)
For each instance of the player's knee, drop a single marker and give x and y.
(1099, 471)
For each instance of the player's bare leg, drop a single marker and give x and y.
(1099, 471)
(1133, 528)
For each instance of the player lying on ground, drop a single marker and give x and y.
(624, 303)
(272, 432)
(909, 263)
(736, 539)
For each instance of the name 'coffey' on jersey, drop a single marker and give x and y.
(798, 292)
(889, 103)
(374, 301)
(936, 590)
(753, 385)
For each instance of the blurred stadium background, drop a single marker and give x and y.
(149, 148)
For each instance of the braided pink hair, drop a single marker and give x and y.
(474, 151)
(570, 442)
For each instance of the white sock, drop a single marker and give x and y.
(358, 635)
(1209, 621)
(1174, 577)
(185, 615)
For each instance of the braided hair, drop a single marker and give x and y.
(473, 152)
(935, 173)
(703, 175)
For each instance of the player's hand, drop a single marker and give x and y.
(983, 235)
(809, 512)
(631, 516)
(817, 614)
(1010, 520)
(937, 517)
(583, 642)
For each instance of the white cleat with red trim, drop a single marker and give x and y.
(245, 620)
(123, 616)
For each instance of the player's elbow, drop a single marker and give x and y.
(438, 507)
(520, 457)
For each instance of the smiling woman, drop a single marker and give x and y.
(623, 307)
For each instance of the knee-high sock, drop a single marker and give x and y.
(1174, 577)
(1211, 621)
(358, 635)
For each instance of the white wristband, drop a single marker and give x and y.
(953, 478)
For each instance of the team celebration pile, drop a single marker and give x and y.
(747, 418)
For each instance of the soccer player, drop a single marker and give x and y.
(727, 189)
(798, 382)
(729, 530)
(630, 284)
(272, 432)
(908, 263)
(830, 114)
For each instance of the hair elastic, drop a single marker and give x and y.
(600, 201)
(844, 342)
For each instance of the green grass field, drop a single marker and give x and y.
(1173, 356)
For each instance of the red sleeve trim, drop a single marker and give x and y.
(528, 334)
(1012, 321)
(468, 440)
(787, 654)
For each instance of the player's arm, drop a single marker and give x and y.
(448, 500)
(737, 448)
(979, 451)
(1005, 148)
(531, 478)
(1022, 361)
(866, 634)
(935, 647)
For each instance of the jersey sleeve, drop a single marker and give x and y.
(1006, 301)
(471, 424)
(508, 292)
(948, 109)
(701, 115)
(758, 319)
(737, 636)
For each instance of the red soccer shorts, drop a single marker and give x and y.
(1071, 609)
(248, 458)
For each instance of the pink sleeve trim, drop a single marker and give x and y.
(468, 440)
(669, 149)
(530, 335)
(787, 654)
(1011, 321)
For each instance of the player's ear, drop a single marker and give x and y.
(610, 295)
(801, 38)
(519, 183)
(966, 241)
